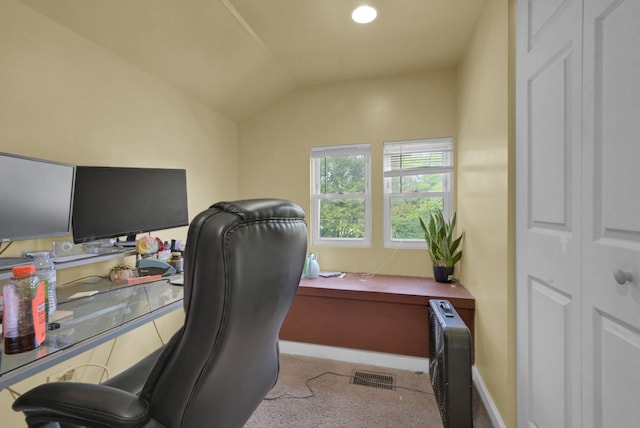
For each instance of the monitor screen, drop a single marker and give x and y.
(110, 202)
(35, 198)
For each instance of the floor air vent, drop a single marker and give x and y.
(374, 380)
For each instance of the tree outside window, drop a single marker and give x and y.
(418, 179)
(341, 197)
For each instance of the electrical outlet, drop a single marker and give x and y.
(62, 376)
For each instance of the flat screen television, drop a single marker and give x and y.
(35, 198)
(111, 202)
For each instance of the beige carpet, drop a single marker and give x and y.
(334, 401)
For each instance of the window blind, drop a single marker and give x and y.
(418, 157)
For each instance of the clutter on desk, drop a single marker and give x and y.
(332, 274)
(147, 270)
(177, 281)
(149, 266)
(312, 268)
(148, 245)
(46, 270)
(81, 294)
(103, 246)
(120, 273)
(159, 258)
(143, 279)
(24, 317)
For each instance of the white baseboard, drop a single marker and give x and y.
(382, 359)
(492, 410)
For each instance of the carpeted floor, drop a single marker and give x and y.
(332, 400)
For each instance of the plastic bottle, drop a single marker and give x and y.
(176, 261)
(24, 325)
(46, 270)
(313, 268)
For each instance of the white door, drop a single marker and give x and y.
(611, 243)
(578, 213)
(548, 212)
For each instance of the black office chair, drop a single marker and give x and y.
(243, 263)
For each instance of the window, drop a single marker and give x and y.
(418, 178)
(341, 199)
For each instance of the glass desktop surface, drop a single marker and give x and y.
(92, 320)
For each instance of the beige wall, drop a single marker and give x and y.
(485, 201)
(471, 104)
(274, 148)
(65, 99)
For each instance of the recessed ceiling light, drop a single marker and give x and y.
(364, 14)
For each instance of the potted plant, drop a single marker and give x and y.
(120, 273)
(444, 248)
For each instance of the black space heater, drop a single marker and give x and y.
(450, 364)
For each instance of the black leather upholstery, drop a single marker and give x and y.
(243, 263)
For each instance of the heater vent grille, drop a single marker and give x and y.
(374, 380)
(450, 364)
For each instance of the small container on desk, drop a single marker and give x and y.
(24, 317)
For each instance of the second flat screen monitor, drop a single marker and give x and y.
(110, 202)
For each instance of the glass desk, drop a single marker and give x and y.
(86, 322)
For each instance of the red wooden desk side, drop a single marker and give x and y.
(382, 313)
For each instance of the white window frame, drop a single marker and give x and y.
(318, 153)
(416, 146)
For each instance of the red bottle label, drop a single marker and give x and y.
(38, 309)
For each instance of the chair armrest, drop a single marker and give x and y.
(82, 404)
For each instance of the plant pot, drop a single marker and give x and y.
(442, 273)
(120, 273)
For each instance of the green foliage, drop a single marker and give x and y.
(405, 213)
(343, 214)
(342, 175)
(342, 217)
(438, 234)
(417, 183)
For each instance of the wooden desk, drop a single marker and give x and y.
(383, 313)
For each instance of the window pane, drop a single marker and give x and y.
(417, 183)
(341, 175)
(342, 218)
(405, 213)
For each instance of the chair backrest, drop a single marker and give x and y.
(243, 263)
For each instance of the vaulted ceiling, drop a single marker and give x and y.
(237, 56)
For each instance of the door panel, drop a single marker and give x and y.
(548, 201)
(611, 212)
(617, 346)
(578, 81)
(616, 99)
(541, 16)
(550, 152)
(551, 328)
